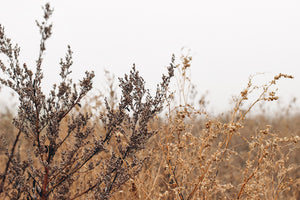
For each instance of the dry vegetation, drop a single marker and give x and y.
(139, 146)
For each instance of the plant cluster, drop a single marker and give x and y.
(64, 145)
(58, 147)
(198, 156)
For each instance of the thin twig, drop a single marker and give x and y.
(9, 161)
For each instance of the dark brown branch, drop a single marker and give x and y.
(9, 161)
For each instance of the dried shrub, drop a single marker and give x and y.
(65, 148)
(198, 156)
(62, 147)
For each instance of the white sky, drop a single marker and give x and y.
(229, 40)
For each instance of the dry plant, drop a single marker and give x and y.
(196, 156)
(61, 147)
(183, 78)
(67, 158)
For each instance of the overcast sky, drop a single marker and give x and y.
(229, 40)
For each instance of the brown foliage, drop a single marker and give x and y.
(58, 147)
